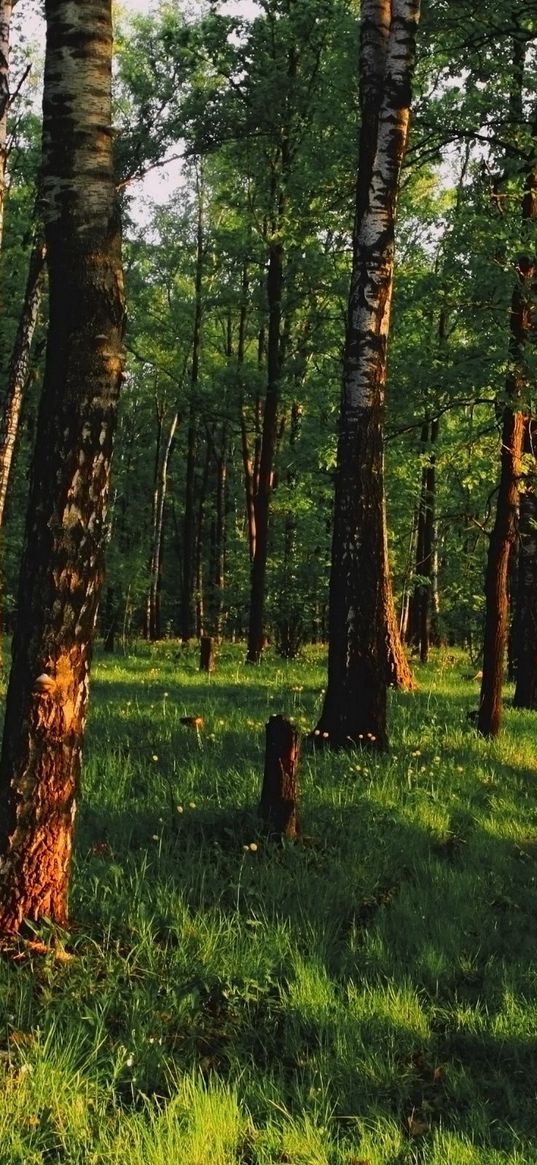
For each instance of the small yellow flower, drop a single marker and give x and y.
(253, 847)
(154, 757)
(179, 808)
(191, 804)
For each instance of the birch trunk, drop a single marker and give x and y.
(355, 703)
(61, 572)
(19, 367)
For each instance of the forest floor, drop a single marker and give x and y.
(366, 996)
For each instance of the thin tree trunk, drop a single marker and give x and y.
(398, 671)
(6, 10)
(199, 595)
(266, 462)
(219, 578)
(290, 620)
(525, 630)
(148, 613)
(504, 532)
(154, 622)
(355, 703)
(188, 597)
(19, 368)
(61, 572)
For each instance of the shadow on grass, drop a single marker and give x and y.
(408, 964)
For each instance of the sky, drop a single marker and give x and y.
(158, 185)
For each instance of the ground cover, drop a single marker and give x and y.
(368, 995)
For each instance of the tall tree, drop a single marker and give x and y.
(355, 702)
(514, 424)
(61, 572)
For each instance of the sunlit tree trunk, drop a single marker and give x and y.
(61, 572)
(355, 703)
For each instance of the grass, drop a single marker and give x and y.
(368, 995)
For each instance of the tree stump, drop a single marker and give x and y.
(279, 795)
(207, 660)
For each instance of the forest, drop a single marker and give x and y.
(268, 582)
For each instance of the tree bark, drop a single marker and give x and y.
(207, 661)
(6, 11)
(19, 367)
(504, 532)
(421, 605)
(266, 463)
(525, 632)
(355, 703)
(154, 629)
(61, 572)
(188, 582)
(279, 795)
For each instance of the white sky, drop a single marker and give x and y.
(158, 185)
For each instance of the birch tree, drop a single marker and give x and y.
(61, 571)
(355, 703)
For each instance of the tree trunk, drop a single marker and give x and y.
(496, 598)
(61, 572)
(188, 582)
(6, 10)
(279, 795)
(421, 606)
(398, 671)
(207, 661)
(504, 532)
(199, 595)
(219, 575)
(525, 632)
(19, 367)
(154, 621)
(266, 463)
(290, 621)
(355, 703)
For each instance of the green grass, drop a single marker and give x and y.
(366, 995)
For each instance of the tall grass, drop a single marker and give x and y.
(368, 994)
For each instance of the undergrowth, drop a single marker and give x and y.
(367, 996)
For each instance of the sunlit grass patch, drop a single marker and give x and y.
(367, 994)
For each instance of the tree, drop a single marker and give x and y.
(61, 571)
(514, 416)
(355, 702)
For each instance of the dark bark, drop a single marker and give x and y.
(525, 631)
(61, 571)
(355, 703)
(188, 616)
(279, 796)
(421, 605)
(207, 658)
(19, 367)
(154, 628)
(504, 532)
(266, 463)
